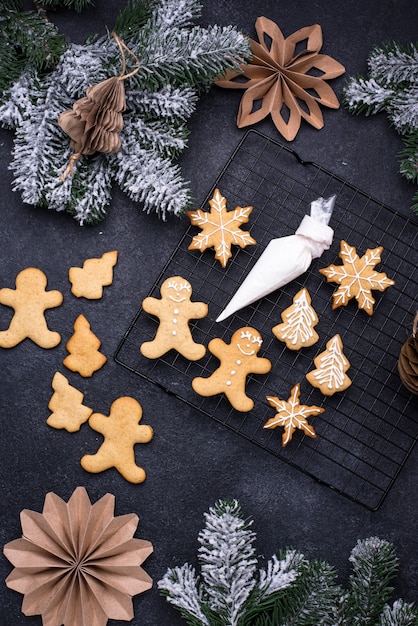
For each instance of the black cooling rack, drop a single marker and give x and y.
(367, 432)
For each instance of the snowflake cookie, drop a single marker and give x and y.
(357, 277)
(291, 415)
(220, 228)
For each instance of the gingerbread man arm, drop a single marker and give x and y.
(218, 347)
(260, 365)
(52, 299)
(152, 305)
(198, 310)
(7, 296)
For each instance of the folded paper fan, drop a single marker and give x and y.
(286, 258)
(290, 85)
(77, 564)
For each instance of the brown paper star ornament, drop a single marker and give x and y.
(284, 82)
(76, 564)
(291, 415)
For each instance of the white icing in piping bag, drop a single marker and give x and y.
(286, 258)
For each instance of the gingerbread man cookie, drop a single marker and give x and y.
(30, 300)
(237, 360)
(174, 310)
(121, 431)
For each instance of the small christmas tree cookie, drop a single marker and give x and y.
(88, 281)
(292, 415)
(297, 330)
(331, 365)
(220, 228)
(66, 404)
(83, 347)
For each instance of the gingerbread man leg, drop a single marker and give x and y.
(105, 459)
(165, 341)
(218, 383)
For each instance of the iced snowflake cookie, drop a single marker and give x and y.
(237, 359)
(331, 366)
(88, 281)
(220, 228)
(291, 415)
(174, 309)
(357, 277)
(30, 300)
(297, 329)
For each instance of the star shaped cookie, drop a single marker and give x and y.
(357, 277)
(291, 415)
(220, 228)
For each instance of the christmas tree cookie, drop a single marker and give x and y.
(88, 281)
(297, 329)
(66, 404)
(83, 347)
(291, 415)
(331, 366)
(220, 228)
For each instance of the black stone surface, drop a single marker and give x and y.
(192, 461)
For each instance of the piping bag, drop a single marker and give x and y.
(286, 258)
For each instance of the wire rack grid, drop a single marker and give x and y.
(365, 433)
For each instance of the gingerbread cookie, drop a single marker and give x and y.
(66, 404)
(331, 365)
(357, 277)
(237, 359)
(292, 415)
(88, 281)
(175, 309)
(30, 301)
(220, 228)
(297, 330)
(121, 431)
(83, 347)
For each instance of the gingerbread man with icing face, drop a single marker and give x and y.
(237, 360)
(174, 310)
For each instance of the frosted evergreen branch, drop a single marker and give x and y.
(409, 157)
(400, 614)
(367, 96)
(374, 565)
(403, 109)
(168, 102)
(279, 573)
(181, 588)
(160, 136)
(394, 64)
(228, 564)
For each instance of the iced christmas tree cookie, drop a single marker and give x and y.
(297, 329)
(357, 277)
(291, 415)
(331, 366)
(237, 360)
(174, 309)
(220, 228)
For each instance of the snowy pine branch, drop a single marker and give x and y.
(177, 61)
(290, 591)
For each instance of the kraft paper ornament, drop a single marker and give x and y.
(290, 85)
(408, 360)
(76, 563)
(95, 121)
(286, 258)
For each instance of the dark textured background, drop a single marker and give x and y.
(192, 460)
